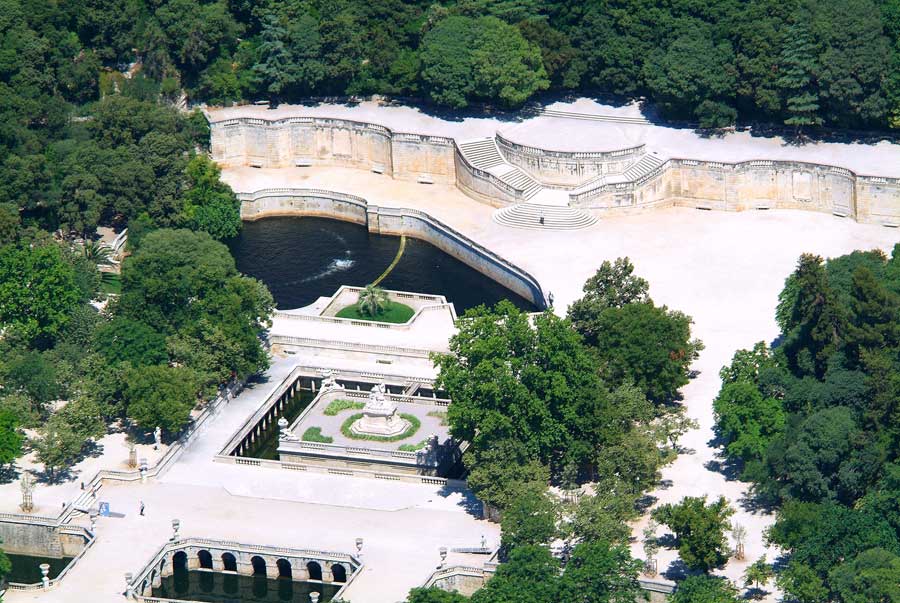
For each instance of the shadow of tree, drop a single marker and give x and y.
(667, 540)
(52, 478)
(644, 502)
(469, 501)
(755, 594)
(677, 570)
(8, 473)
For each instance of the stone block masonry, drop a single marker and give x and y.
(609, 182)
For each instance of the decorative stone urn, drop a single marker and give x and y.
(380, 416)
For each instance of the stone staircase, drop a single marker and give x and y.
(644, 166)
(528, 215)
(484, 155)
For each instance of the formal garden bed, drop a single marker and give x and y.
(393, 312)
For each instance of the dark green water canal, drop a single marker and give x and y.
(302, 259)
(266, 447)
(214, 587)
(25, 568)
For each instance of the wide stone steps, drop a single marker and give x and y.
(522, 181)
(482, 153)
(646, 165)
(528, 215)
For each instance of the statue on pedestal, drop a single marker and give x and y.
(380, 416)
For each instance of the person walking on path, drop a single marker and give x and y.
(142, 508)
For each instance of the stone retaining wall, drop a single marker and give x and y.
(759, 184)
(318, 141)
(756, 184)
(23, 535)
(565, 168)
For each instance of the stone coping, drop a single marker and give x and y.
(173, 546)
(89, 537)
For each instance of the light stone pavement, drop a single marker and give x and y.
(724, 269)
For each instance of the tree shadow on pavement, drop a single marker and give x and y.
(469, 501)
(8, 473)
(677, 570)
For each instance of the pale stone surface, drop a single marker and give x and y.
(111, 452)
(556, 133)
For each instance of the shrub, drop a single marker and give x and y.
(336, 406)
(314, 434)
(414, 425)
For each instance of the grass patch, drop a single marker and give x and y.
(413, 447)
(414, 425)
(440, 414)
(394, 312)
(336, 406)
(314, 434)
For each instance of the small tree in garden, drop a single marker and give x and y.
(758, 574)
(372, 300)
(651, 547)
(739, 534)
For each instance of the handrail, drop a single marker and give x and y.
(538, 151)
(335, 121)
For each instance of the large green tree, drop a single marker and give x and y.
(38, 290)
(699, 529)
(160, 396)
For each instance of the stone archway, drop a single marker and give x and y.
(179, 562)
(315, 570)
(205, 559)
(229, 562)
(338, 573)
(284, 568)
(259, 565)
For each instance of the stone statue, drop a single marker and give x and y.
(283, 431)
(328, 380)
(157, 438)
(380, 416)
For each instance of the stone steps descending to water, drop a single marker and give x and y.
(528, 215)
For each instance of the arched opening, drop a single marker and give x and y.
(284, 568)
(144, 587)
(152, 578)
(229, 563)
(259, 565)
(179, 562)
(205, 559)
(315, 570)
(338, 573)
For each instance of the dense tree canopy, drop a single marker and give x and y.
(801, 63)
(814, 424)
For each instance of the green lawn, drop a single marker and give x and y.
(395, 312)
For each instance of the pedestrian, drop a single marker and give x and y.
(142, 508)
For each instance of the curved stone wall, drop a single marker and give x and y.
(758, 184)
(392, 221)
(309, 141)
(564, 168)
